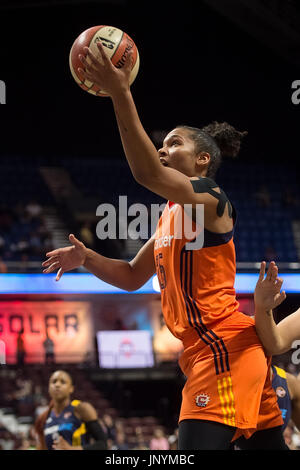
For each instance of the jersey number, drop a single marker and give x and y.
(161, 273)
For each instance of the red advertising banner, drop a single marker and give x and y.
(24, 326)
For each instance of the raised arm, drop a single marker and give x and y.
(126, 275)
(276, 338)
(267, 296)
(140, 152)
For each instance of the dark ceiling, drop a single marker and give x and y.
(198, 64)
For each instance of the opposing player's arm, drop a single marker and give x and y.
(267, 296)
(289, 330)
(88, 415)
(276, 338)
(294, 390)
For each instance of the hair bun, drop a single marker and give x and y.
(227, 137)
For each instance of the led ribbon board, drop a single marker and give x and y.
(81, 283)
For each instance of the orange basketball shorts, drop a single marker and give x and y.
(228, 378)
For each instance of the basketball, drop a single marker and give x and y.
(117, 44)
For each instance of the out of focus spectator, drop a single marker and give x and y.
(159, 440)
(119, 325)
(7, 440)
(110, 444)
(120, 441)
(2, 245)
(141, 444)
(42, 405)
(23, 233)
(6, 217)
(49, 350)
(173, 440)
(24, 392)
(270, 254)
(24, 262)
(38, 394)
(3, 267)
(35, 244)
(119, 425)
(28, 440)
(86, 235)
(141, 441)
(109, 426)
(33, 209)
(21, 352)
(263, 197)
(289, 198)
(288, 437)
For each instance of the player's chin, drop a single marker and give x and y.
(58, 394)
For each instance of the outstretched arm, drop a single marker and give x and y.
(126, 275)
(276, 339)
(140, 152)
(289, 330)
(267, 296)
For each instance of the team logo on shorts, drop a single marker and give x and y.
(202, 399)
(280, 392)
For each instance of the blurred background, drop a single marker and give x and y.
(61, 156)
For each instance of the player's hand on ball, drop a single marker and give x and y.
(267, 295)
(103, 73)
(65, 259)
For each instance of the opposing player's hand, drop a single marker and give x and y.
(267, 295)
(103, 73)
(65, 259)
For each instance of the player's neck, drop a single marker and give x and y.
(59, 406)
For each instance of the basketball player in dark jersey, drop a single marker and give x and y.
(68, 424)
(278, 339)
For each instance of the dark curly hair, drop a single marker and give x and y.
(218, 139)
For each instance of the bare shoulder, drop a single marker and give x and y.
(86, 411)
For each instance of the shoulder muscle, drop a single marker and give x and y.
(86, 411)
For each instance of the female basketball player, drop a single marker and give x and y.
(287, 389)
(68, 425)
(224, 395)
(276, 339)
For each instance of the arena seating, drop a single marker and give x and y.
(264, 226)
(263, 223)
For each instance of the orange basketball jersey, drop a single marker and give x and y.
(197, 286)
(223, 359)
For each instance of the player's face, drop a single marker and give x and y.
(60, 386)
(178, 152)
